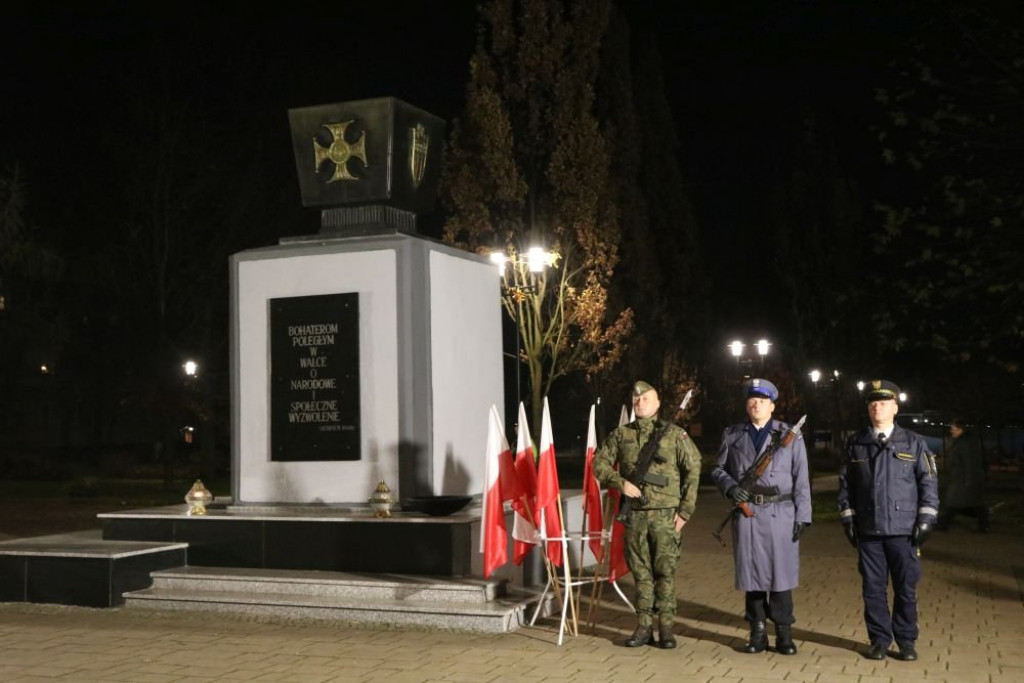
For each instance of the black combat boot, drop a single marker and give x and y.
(784, 644)
(666, 640)
(758, 638)
(907, 652)
(643, 635)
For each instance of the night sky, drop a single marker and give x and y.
(74, 73)
(739, 77)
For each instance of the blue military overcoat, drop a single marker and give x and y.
(885, 489)
(765, 556)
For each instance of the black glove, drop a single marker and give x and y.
(922, 530)
(798, 528)
(851, 533)
(738, 494)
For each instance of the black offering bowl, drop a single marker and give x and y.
(436, 506)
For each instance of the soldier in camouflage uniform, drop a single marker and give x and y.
(662, 503)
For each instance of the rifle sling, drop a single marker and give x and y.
(647, 453)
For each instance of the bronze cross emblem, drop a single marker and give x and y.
(340, 151)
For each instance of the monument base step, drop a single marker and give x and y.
(384, 599)
(80, 568)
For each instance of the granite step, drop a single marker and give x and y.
(394, 600)
(327, 583)
(81, 568)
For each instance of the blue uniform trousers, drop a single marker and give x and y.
(774, 605)
(881, 557)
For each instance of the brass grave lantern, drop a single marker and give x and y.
(198, 497)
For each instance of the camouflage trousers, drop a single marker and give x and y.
(652, 552)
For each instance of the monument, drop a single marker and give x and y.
(363, 353)
(364, 362)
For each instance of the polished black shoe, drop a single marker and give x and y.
(758, 639)
(666, 640)
(784, 644)
(907, 653)
(643, 635)
(878, 651)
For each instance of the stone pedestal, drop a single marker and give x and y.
(361, 359)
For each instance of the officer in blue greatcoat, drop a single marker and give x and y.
(888, 503)
(766, 548)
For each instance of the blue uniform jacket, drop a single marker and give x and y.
(886, 489)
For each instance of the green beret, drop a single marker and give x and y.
(641, 388)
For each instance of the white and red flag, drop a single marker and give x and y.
(617, 567)
(525, 501)
(499, 486)
(592, 493)
(548, 499)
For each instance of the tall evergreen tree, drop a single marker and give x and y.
(528, 163)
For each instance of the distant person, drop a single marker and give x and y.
(766, 547)
(966, 476)
(888, 503)
(662, 502)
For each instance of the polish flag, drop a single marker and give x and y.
(525, 500)
(547, 490)
(499, 478)
(617, 567)
(592, 493)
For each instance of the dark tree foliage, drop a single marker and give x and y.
(660, 275)
(951, 238)
(529, 162)
(34, 329)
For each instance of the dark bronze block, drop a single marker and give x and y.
(368, 152)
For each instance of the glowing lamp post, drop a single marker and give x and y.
(520, 287)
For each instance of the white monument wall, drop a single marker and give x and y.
(430, 367)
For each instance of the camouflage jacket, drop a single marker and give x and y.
(680, 464)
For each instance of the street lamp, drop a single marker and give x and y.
(815, 376)
(524, 269)
(737, 347)
(191, 368)
(860, 386)
(537, 259)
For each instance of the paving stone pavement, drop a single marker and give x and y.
(970, 603)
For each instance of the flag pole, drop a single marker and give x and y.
(583, 546)
(604, 567)
(552, 574)
(565, 562)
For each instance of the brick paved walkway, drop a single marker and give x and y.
(971, 614)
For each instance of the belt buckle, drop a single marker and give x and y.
(758, 499)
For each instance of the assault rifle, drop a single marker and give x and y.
(759, 467)
(641, 474)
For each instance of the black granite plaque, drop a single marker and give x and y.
(314, 369)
